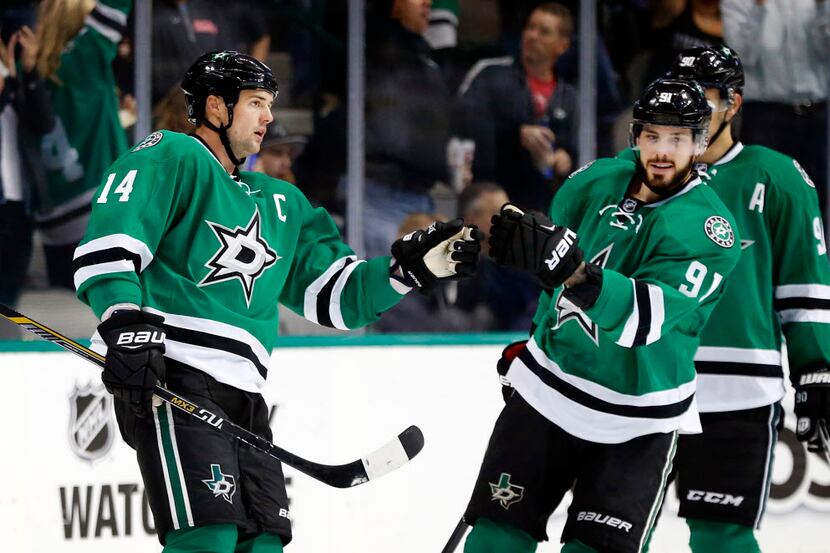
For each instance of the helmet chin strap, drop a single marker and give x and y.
(222, 131)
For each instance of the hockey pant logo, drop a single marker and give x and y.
(715, 497)
(506, 493)
(608, 520)
(222, 485)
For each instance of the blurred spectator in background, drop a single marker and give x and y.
(16, 222)
(407, 120)
(521, 115)
(171, 112)
(278, 151)
(681, 24)
(185, 29)
(77, 42)
(501, 297)
(784, 46)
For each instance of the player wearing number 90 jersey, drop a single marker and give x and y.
(87, 135)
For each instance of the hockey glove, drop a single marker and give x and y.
(508, 354)
(812, 408)
(530, 241)
(135, 357)
(442, 251)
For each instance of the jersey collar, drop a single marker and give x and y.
(733, 152)
(691, 184)
(200, 140)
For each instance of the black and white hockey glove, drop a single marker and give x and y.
(812, 408)
(531, 242)
(442, 251)
(508, 354)
(135, 357)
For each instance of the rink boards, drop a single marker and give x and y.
(70, 484)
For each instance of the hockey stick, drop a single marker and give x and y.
(391, 456)
(455, 538)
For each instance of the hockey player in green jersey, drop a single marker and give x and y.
(781, 285)
(78, 42)
(187, 252)
(632, 261)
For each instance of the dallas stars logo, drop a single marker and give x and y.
(222, 485)
(506, 493)
(244, 255)
(567, 311)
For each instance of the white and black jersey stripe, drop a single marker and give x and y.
(803, 303)
(114, 253)
(645, 323)
(594, 412)
(322, 297)
(228, 353)
(734, 379)
(108, 21)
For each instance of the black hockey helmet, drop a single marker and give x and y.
(224, 74)
(712, 67)
(673, 103)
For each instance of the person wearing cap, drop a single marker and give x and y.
(278, 152)
(185, 260)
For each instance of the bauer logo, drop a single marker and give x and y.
(91, 423)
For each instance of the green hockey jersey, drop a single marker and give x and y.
(780, 286)
(87, 136)
(623, 368)
(172, 232)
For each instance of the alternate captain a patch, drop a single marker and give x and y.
(243, 255)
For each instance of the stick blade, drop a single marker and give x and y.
(394, 454)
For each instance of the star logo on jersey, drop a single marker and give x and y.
(506, 493)
(222, 485)
(567, 311)
(244, 255)
(719, 231)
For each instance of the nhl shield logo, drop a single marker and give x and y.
(91, 424)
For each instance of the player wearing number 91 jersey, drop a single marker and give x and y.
(607, 380)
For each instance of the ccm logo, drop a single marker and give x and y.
(561, 249)
(715, 497)
(599, 518)
(142, 337)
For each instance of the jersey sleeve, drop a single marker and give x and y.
(133, 207)
(328, 285)
(801, 272)
(97, 43)
(675, 288)
(565, 209)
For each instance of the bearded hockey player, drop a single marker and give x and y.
(632, 261)
(185, 249)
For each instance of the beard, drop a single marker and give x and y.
(661, 185)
